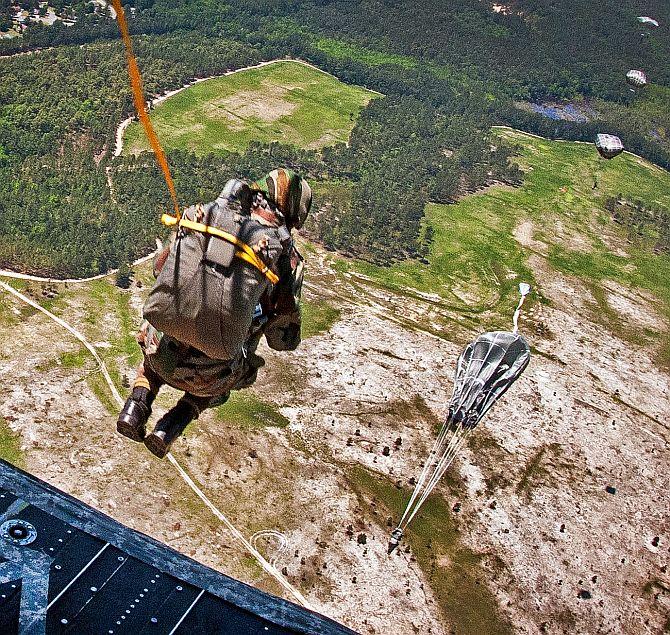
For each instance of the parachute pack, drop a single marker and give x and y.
(219, 266)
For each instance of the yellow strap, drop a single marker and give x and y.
(244, 252)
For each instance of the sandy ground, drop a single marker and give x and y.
(590, 413)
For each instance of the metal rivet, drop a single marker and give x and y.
(63, 621)
(58, 567)
(94, 589)
(154, 620)
(180, 588)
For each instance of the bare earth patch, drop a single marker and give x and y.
(268, 105)
(557, 550)
(637, 308)
(524, 234)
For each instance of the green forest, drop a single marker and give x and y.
(447, 72)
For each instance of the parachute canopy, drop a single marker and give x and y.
(608, 145)
(637, 78)
(485, 370)
(643, 19)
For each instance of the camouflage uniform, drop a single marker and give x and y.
(281, 201)
(206, 381)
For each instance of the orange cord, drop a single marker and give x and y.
(140, 103)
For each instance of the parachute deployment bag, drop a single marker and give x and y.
(206, 293)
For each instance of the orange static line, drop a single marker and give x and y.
(140, 103)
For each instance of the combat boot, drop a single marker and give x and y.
(169, 427)
(132, 421)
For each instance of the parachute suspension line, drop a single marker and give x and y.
(430, 461)
(267, 567)
(140, 103)
(457, 442)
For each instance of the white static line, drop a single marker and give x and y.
(188, 610)
(90, 562)
(267, 567)
(73, 331)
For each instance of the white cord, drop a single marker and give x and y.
(267, 567)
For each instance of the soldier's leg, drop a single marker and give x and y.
(136, 411)
(174, 422)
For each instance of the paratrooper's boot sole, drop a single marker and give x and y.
(157, 445)
(169, 427)
(132, 422)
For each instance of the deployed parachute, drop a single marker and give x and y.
(643, 19)
(637, 78)
(608, 145)
(485, 370)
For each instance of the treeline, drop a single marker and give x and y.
(449, 71)
(82, 93)
(402, 154)
(58, 218)
(530, 48)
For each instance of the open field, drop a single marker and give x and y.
(483, 243)
(285, 101)
(523, 535)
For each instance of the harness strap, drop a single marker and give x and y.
(243, 251)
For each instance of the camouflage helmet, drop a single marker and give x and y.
(289, 192)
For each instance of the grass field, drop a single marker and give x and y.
(10, 445)
(476, 262)
(285, 101)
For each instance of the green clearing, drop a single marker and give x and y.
(317, 317)
(248, 412)
(342, 50)
(454, 571)
(10, 445)
(284, 101)
(475, 262)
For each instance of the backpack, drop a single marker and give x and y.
(206, 293)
